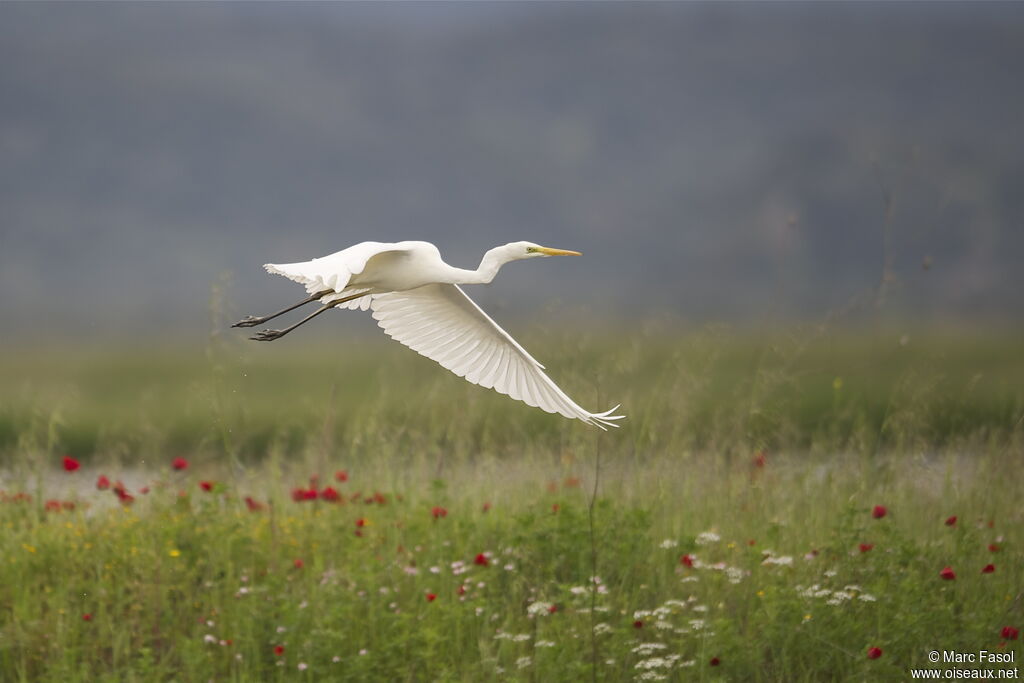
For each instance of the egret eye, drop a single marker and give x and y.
(530, 250)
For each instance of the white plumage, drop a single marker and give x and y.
(415, 297)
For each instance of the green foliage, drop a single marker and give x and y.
(185, 584)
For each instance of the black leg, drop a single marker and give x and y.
(271, 335)
(253, 320)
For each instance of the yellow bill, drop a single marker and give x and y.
(548, 251)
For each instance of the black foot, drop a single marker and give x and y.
(249, 321)
(268, 335)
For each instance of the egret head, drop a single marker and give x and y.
(521, 250)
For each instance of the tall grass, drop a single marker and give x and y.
(733, 518)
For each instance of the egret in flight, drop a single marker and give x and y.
(415, 297)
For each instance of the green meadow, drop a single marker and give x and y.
(808, 504)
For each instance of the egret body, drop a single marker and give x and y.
(415, 297)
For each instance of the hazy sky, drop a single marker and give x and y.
(714, 162)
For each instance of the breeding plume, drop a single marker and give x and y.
(415, 297)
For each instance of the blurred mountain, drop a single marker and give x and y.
(729, 161)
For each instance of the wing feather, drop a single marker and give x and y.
(335, 270)
(440, 322)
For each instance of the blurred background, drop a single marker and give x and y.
(734, 162)
(837, 185)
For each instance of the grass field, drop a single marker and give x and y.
(775, 506)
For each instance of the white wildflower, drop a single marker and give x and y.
(539, 609)
(209, 639)
(523, 662)
(544, 643)
(708, 537)
(645, 649)
(653, 663)
(668, 543)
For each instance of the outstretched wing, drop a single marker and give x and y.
(440, 322)
(333, 272)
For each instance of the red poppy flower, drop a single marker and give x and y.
(87, 616)
(571, 483)
(481, 560)
(70, 464)
(53, 505)
(874, 652)
(179, 463)
(341, 475)
(988, 569)
(686, 561)
(552, 609)
(487, 507)
(715, 661)
(751, 542)
(360, 522)
(299, 564)
(879, 511)
(68, 505)
(206, 485)
(994, 547)
(1010, 633)
(431, 597)
(330, 494)
(462, 590)
(125, 497)
(144, 490)
(253, 504)
(760, 459)
(865, 547)
(102, 483)
(638, 624)
(437, 511)
(947, 573)
(555, 507)
(279, 650)
(379, 498)
(951, 521)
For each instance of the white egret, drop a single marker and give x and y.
(415, 297)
